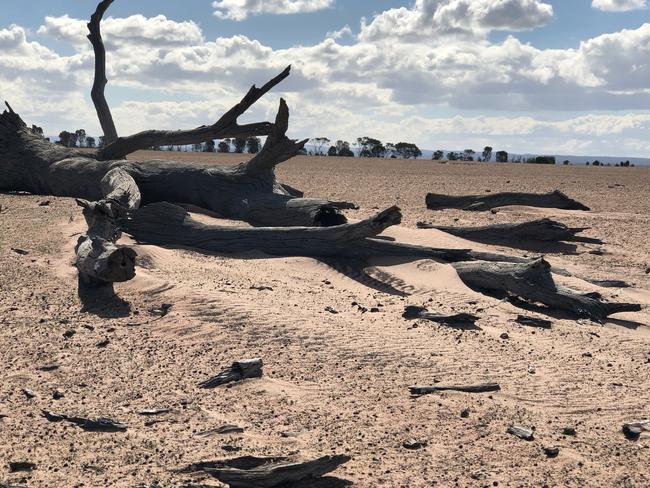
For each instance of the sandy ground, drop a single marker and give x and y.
(333, 383)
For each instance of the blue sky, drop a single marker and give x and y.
(567, 76)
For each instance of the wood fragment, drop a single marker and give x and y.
(240, 370)
(482, 388)
(534, 322)
(521, 431)
(22, 252)
(17, 466)
(478, 203)
(87, 424)
(454, 320)
(154, 411)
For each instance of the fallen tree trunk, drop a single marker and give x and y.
(477, 203)
(533, 282)
(536, 230)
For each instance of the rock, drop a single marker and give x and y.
(464, 413)
(229, 448)
(103, 344)
(505, 336)
(569, 430)
(28, 393)
(57, 395)
(154, 411)
(49, 367)
(162, 310)
(633, 430)
(17, 466)
(587, 355)
(261, 288)
(413, 445)
(44, 203)
(534, 322)
(22, 252)
(523, 432)
(531, 369)
(374, 310)
(551, 452)
(331, 310)
(68, 334)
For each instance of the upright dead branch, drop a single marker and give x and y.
(99, 84)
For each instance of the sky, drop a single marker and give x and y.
(525, 76)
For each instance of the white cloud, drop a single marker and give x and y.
(618, 5)
(240, 9)
(472, 18)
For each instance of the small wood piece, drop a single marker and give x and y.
(150, 412)
(523, 432)
(240, 370)
(483, 388)
(460, 319)
(17, 466)
(87, 424)
(534, 322)
(272, 475)
(477, 203)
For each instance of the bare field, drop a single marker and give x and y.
(333, 383)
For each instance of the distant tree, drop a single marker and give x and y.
(68, 139)
(468, 155)
(332, 151)
(437, 155)
(487, 154)
(302, 151)
(240, 144)
(596, 163)
(209, 146)
(541, 160)
(253, 144)
(370, 148)
(587, 163)
(224, 146)
(343, 149)
(452, 156)
(625, 164)
(197, 147)
(407, 150)
(502, 157)
(102, 142)
(81, 137)
(319, 143)
(391, 150)
(90, 141)
(566, 162)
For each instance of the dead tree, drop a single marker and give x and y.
(119, 194)
(478, 203)
(546, 230)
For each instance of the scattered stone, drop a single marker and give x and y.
(240, 370)
(261, 288)
(103, 344)
(331, 310)
(88, 327)
(162, 310)
(531, 369)
(17, 466)
(28, 393)
(68, 334)
(464, 413)
(57, 394)
(569, 430)
(523, 432)
(44, 203)
(633, 430)
(551, 452)
(505, 336)
(413, 445)
(22, 252)
(229, 448)
(587, 355)
(374, 310)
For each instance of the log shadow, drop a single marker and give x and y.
(325, 482)
(356, 271)
(628, 324)
(102, 301)
(528, 306)
(539, 247)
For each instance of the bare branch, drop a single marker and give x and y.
(278, 147)
(226, 126)
(99, 84)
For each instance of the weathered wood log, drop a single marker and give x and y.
(99, 260)
(477, 203)
(546, 230)
(165, 224)
(483, 388)
(454, 320)
(533, 282)
(238, 371)
(277, 474)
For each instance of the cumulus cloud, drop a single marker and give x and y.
(471, 18)
(618, 5)
(240, 9)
